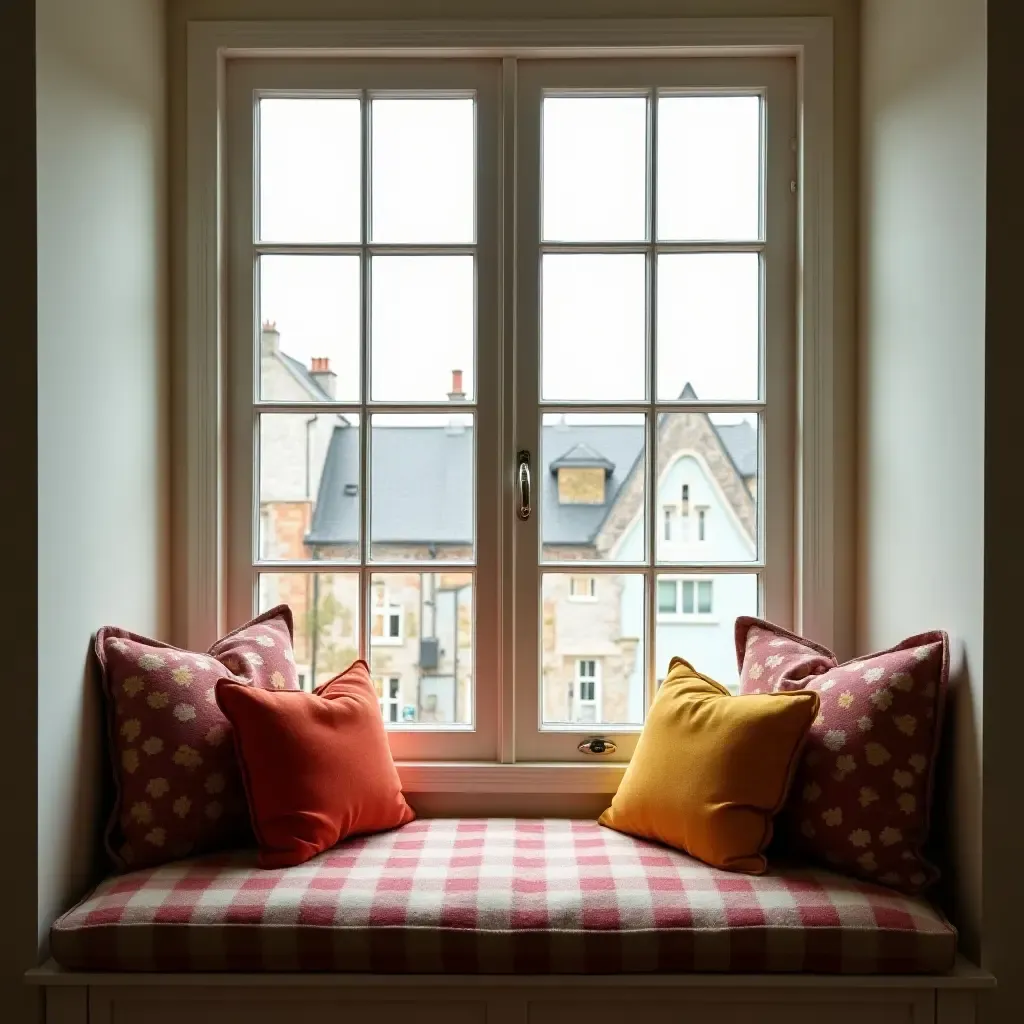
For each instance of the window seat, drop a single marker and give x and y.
(497, 896)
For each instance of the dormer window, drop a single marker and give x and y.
(582, 473)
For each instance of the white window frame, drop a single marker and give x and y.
(385, 700)
(200, 611)
(680, 616)
(578, 703)
(589, 591)
(385, 610)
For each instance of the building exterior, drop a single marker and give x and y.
(591, 507)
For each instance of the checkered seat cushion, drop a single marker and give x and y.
(496, 896)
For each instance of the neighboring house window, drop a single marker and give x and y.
(668, 514)
(685, 598)
(587, 691)
(389, 697)
(702, 523)
(582, 588)
(684, 501)
(386, 627)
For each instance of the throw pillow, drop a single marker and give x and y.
(862, 795)
(711, 770)
(317, 767)
(177, 786)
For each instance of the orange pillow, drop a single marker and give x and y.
(711, 770)
(317, 767)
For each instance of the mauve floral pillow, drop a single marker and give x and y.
(178, 787)
(862, 794)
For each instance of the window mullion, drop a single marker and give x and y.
(364, 369)
(651, 534)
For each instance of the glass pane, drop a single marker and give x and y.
(668, 600)
(595, 647)
(422, 178)
(707, 487)
(709, 167)
(708, 320)
(310, 175)
(702, 632)
(594, 327)
(594, 168)
(309, 344)
(325, 607)
(309, 486)
(421, 487)
(422, 328)
(421, 641)
(592, 485)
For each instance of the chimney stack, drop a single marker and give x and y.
(455, 421)
(270, 338)
(456, 394)
(320, 370)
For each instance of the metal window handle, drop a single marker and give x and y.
(525, 508)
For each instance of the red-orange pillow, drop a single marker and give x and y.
(317, 766)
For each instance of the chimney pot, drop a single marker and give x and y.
(320, 370)
(456, 394)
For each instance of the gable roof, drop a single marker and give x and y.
(303, 376)
(421, 491)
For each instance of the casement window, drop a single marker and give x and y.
(586, 692)
(389, 697)
(582, 588)
(681, 600)
(386, 627)
(496, 328)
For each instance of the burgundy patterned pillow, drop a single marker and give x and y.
(178, 788)
(862, 793)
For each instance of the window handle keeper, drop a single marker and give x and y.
(525, 485)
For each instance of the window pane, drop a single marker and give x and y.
(423, 181)
(603, 641)
(687, 597)
(667, 596)
(704, 605)
(325, 609)
(422, 328)
(309, 486)
(706, 638)
(592, 306)
(310, 170)
(309, 346)
(594, 168)
(421, 634)
(591, 483)
(708, 321)
(422, 487)
(714, 457)
(709, 167)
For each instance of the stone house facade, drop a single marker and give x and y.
(591, 504)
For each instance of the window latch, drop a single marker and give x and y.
(523, 475)
(597, 745)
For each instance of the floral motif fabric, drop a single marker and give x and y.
(862, 793)
(178, 787)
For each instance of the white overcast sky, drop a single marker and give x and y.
(593, 306)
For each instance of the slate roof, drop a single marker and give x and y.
(301, 373)
(420, 472)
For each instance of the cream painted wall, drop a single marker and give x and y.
(844, 15)
(102, 394)
(921, 412)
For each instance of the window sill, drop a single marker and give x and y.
(387, 642)
(688, 620)
(488, 777)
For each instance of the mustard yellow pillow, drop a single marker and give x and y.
(711, 770)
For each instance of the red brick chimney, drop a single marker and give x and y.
(456, 394)
(320, 370)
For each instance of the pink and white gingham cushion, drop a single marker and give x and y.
(497, 896)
